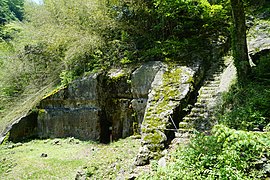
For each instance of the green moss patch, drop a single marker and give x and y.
(165, 98)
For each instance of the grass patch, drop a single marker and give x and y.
(62, 158)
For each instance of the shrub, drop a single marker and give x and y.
(226, 154)
(248, 107)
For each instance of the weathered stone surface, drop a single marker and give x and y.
(141, 81)
(227, 78)
(143, 157)
(169, 94)
(101, 107)
(82, 123)
(258, 37)
(162, 162)
(72, 112)
(122, 117)
(142, 78)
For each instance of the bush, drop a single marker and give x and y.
(247, 107)
(226, 154)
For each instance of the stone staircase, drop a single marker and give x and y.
(201, 116)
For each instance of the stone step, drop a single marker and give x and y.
(201, 108)
(200, 105)
(215, 72)
(184, 134)
(212, 85)
(213, 78)
(206, 96)
(202, 101)
(189, 119)
(206, 91)
(204, 88)
(182, 131)
(198, 110)
(197, 115)
(185, 125)
(212, 82)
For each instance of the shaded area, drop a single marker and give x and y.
(105, 129)
(25, 128)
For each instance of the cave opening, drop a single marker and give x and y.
(105, 129)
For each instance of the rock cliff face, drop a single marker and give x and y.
(23, 128)
(116, 104)
(72, 112)
(101, 107)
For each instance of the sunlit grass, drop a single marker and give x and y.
(65, 157)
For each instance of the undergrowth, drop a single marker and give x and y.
(226, 154)
(247, 107)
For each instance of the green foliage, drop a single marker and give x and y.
(261, 71)
(248, 107)
(11, 10)
(186, 18)
(9, 31)
(29, 68)
(75, 28)
(226, 154)
(167, 30)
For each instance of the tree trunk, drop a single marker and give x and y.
(240, 51)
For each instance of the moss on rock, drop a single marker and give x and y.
(171, 86)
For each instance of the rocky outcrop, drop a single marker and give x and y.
(258, 37)
(147, 100)
(72, 112)
(122, 102)
(141, 82)
(101, 107)
(171, 91)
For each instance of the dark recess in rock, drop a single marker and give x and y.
(25, 128)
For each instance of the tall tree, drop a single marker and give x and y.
(240, 49)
